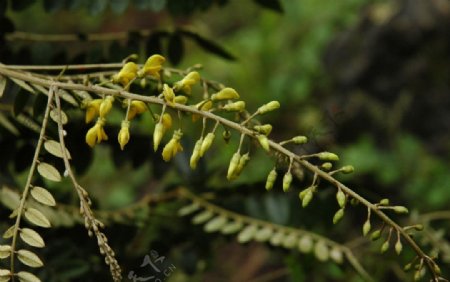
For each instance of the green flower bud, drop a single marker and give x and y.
(366, 227)
(238, 106)
(242, 162)
(307, 198)
(375, 235)
(384, 247)
(407, 267)
(384, 202)
(347, 169)
(398, 247)
(180, 99)
(341, 198)
(327, 166)
(287, 179)
(271, 179)
(157, 135)
(327, 156)
(418, 227)
(226, 134)
(233, 165)
(437, 269)
(300, 139)
(400, 209)
(338, 216)
(225, 94)
(273, 105)
(264, 142)
(196, 154)
(206, 144)
(263, 129)
(354, 202)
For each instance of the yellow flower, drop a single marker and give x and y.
(152, 66)
(92, 109)
(136, 107)
(173, 147)
(96, 134)
(225, 94)
(124, 134)
(160, 129)
(105, 106)
(168, 94)
(166, 121)
(126, 74)
(202, 106)
(187, 82)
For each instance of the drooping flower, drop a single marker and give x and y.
(136, 107)
(126, 74)
(124, 134)
(92, 109)
(152, 66)
(105, 106)
(187, 82)
(96, 134)
(173, 147)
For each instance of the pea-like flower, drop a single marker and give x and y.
(173, 147)
(124, 134)
(152, 66)
(187, 82)
(168, 94)
(136, 107)
(96, 134)
(92, 109)
(105, 106)
(225, 94)
(126, 74)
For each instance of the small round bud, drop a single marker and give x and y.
(398, 247)
(180, 99)
(384, 202)
(271, 106)
(327, 156)
(347, 169)
(271, 177)
(341, 198)
(327, 166)
(400, 209)
(375, 235)
(226, 134)
(287, 179)
(307, 198)
(300, 140)
(407, 267)
(384, 247)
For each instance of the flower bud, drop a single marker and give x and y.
(173, 147)
(327, 166)
(152, 66)
(206, 143)
(166, 121)
(300, 140)
(238, 106)
(92, 109)
(384, 202)
(347, 169)
(263, 129)
(124, 134)
(157, 135)
(187, 82)
(338, 216)
(202, 106)
(271, 177)
(196, 154)
(400, 209)
(136, 107)
(366, 227)
(341, 198)
(106, 106)
(233, 165)
(307, 198)
(126, 74)
(168, 94)
(264, 142)
(287, 179)
(273, 105)
(180, 99)
(225, 94)
(241, 164)
(398, 247)
(327, 156)
(384, 247)
(375, 235)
